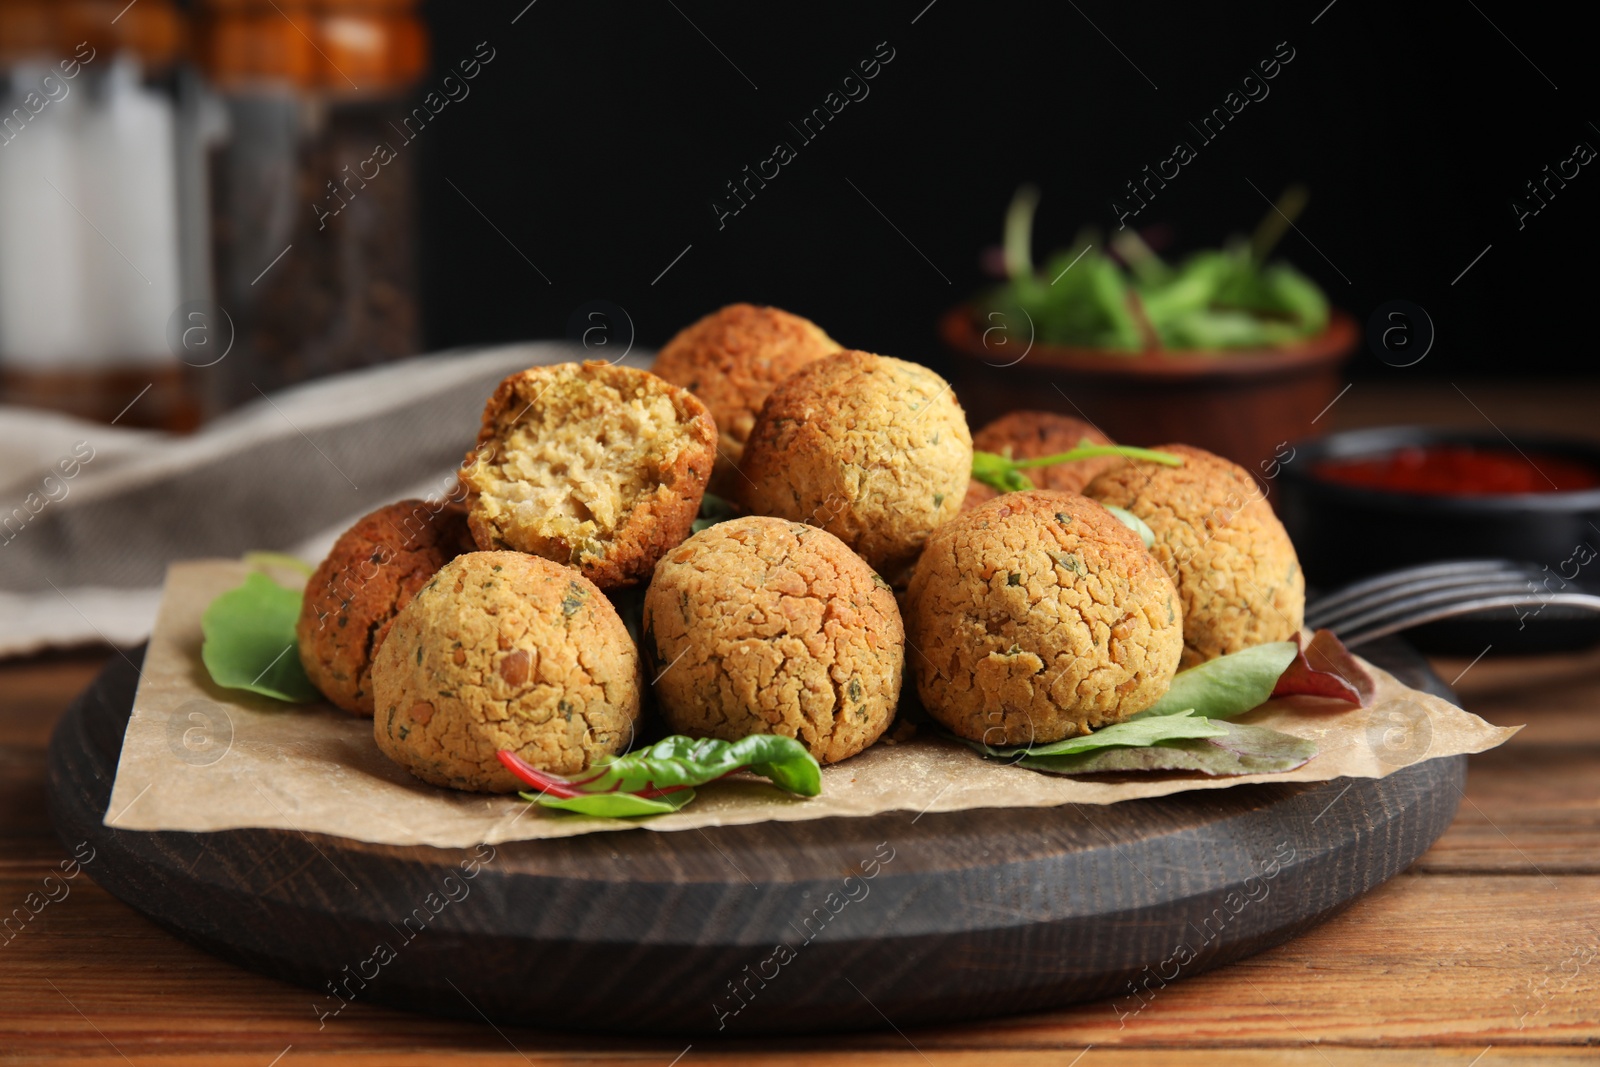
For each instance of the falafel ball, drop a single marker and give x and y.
(351, 599)
(503, 650)
(731, 359)
(872, 449)
(1040, 616)
(1032, 434)
(597, 466)
(1231, 559)
(765, 626)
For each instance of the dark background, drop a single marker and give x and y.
(602, 131)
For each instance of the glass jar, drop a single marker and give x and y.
(95, 246)
(312, 188)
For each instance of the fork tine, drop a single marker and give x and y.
(1448, 569)
(1318, 615)
(1395, 623)
(1427, 601)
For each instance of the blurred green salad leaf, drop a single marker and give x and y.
(1214, 300)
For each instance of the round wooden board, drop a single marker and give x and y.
(828, 925)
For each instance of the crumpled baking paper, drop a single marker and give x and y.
(197, 757)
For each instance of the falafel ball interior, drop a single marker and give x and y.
(568, 454)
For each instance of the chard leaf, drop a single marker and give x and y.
(1180, 725)
(1325, 668)
(614, 805)
(1226, 686)
(250, 641)
(677, 763)
(1239, 749)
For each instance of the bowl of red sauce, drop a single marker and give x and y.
(1363, 502)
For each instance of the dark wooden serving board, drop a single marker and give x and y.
(964, 915)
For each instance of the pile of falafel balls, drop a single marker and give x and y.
(863, 551)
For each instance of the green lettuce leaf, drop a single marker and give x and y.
(614, 805)
(1239, 749)
(1226, 686)
(250, 641)
(1180, 725)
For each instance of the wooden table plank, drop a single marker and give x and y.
(1305, 1056)
(1504, 960)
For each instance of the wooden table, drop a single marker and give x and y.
(1486, 952)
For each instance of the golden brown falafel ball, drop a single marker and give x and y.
(1032, 434)
(1234, 566)
(502, 650)
(1039, 616)
(765, 626)
(589, 464)
(874, 450)
(373, 570)
(731, 359)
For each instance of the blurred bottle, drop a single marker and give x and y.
(312, 187)
(93, 235)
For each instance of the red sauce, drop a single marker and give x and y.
(1461, 470)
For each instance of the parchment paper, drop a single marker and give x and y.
(197, 757)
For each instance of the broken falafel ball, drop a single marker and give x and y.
(597, 466)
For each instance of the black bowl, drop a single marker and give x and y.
(1343, 533)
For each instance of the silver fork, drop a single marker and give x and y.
(1374, 607)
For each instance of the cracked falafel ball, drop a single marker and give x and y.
(351, 599)
(503, 650)
(597, 466)
(872, 449)
(762, 625)
(1031, 434)
(1231, 559)
(731, 359)
(1039, 616)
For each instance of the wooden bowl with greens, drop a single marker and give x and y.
(1227, 350)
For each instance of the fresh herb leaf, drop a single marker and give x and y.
(1239, 749)
(713, 509)
(250, 641)
(998, 472)
(1005, 474)
(1226, 686)
(614, 805)
(1177, 726)
(1134, 523)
